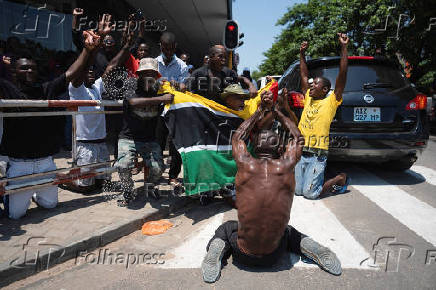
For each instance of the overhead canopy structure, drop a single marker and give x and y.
(197, 24)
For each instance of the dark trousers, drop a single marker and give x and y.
(176, 159)
(228, 232)
(114, 123)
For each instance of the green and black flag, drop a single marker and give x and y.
(202, 130)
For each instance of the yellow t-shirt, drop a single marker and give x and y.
(316, 119)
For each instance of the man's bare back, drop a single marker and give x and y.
(264, 194)
(264, 187)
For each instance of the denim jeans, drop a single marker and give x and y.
(309, 175)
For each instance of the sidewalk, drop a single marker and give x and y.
(80, 222)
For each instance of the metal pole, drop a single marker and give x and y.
(3, 180)
(73, 139)
(230, 59)
(52, 181)
(59, 103)
(59, 113)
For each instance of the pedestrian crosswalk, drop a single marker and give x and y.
(428, 173)
(315, 219)
(410, 211)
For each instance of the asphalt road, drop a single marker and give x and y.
(383, 231)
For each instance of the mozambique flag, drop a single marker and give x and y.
(201, 130)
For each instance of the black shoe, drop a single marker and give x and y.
(321, 255)
(211, 266)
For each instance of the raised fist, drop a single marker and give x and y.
(303, 47)
(104, 26)
(343, 39)
(91, 40)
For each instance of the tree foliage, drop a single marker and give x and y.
(318, 22)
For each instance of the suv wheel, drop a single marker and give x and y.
(401, 164)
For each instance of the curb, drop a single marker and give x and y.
(46, 259)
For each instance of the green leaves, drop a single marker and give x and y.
(318, 21)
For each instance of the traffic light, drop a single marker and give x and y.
(231, 35)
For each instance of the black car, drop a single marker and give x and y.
(382, 118)
(432, 114)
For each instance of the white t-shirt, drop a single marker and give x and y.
(89, 126)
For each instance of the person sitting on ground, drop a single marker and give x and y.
(256, 240)
(318, 113)
(31, 142)
(264, 184)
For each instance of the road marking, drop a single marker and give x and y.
(191, 253)
(410, 211)
(428, 173)
(313, 218)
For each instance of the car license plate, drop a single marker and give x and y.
(367, 114)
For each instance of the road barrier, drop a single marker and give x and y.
(74, 172)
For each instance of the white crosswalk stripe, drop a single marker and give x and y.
(417, 215)
(314, 218)
(428, 173)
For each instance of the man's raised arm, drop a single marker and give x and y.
(304, 72)
(91, 42)
(145, 102)
(251, 88)
(343, 67)
(123, 54)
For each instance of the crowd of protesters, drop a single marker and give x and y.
(30, 142)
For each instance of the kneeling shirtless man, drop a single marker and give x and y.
(264, 193)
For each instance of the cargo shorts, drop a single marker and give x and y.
(149, 151)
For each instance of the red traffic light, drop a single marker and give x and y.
(231, 35)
